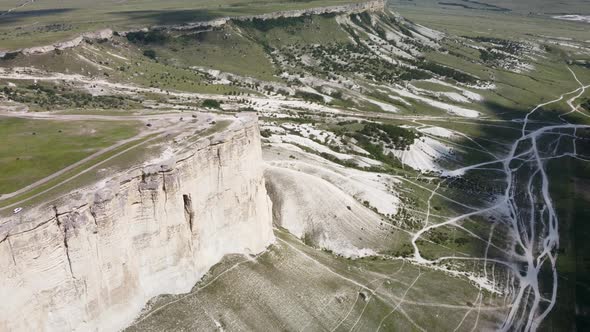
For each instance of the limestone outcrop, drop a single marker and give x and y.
(91, 260)
(372, 5)
(107, 34)
(100, 35)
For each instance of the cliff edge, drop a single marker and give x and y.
(107, 34)
(91, 260)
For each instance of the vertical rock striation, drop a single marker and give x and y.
(91, 261)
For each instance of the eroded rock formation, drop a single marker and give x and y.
(107, 34)
(91, 260)
(100, 35)
(372, 5)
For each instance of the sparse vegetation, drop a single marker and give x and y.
(48, 97)
(150, 54)
(211, 103)
(33, 149)
(148, 37)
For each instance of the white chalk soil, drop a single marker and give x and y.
(330, 206)
(424, 155)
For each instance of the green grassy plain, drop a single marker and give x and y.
(33, 149)
(529, 18)
(572, 198)
(322, 292)
(44, 22)
(517, 94)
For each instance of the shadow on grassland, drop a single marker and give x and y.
(17, 16)
(169, 17)
(569, 183)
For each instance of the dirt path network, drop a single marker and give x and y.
(86, 170)
(64, 117)
(17, 7)
(530, 214)
(71, 167)
(167, 124)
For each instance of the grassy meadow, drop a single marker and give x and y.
(33, 149)
(43, 22)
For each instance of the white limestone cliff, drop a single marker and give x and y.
(90, 261)
(107, 34)
(100, 35)
(371, 5)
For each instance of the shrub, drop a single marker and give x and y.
(448, 72)
(10, 55)
(266, 133)
(211, 103)
(150, 54)
(336, 94)
(150, 37)
(400, 137)
(266, 25)
(246, 109)
(415, 74)
(309, 96)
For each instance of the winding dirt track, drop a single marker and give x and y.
(168, 124)
(533, 229)
(17, 7)
(530, 214)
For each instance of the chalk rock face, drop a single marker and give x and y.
(90, 262)
(37, 50)
(100, 35)
(371, 5)
(107, 34)
(323, 215)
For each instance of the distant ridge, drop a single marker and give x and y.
(106, 34)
